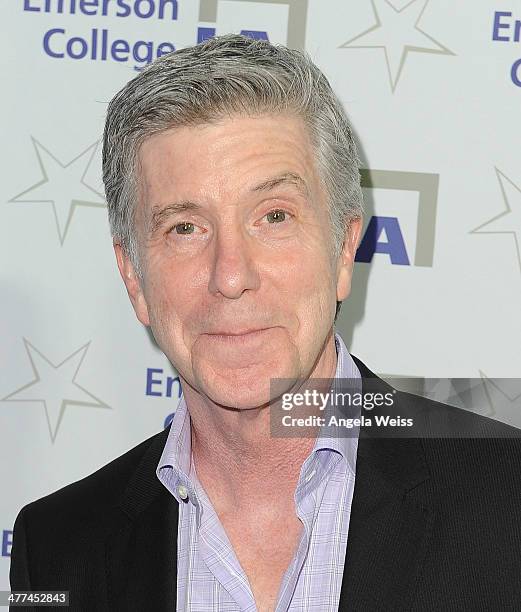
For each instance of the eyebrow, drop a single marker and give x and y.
(290, 178)
(160, 213)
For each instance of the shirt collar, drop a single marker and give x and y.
(346, 445)
(177, 450)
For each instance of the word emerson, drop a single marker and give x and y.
(158, 385)
(144, 9)
(334, 421)
(507, 30)
(321, 400)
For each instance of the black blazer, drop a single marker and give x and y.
(435, 525)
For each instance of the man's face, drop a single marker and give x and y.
(235, 236)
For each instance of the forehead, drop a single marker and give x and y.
(222, 159)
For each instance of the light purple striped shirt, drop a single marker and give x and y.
(209, 576)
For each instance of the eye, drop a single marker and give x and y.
(184, 228)
(276, 216)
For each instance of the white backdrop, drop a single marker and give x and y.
(433, 89)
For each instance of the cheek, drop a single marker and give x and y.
(309, 287)
(174, 311)
(159, 297)
(311, 274)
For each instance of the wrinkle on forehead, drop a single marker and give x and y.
(271, 150)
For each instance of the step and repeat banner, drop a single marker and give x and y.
(433, 90)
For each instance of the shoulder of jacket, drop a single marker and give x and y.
(95, 493)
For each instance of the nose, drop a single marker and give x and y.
(233, 269)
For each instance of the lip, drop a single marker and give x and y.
(235, 333)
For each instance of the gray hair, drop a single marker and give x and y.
(222, 76)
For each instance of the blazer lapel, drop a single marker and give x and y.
(141, 551)
(390, 524)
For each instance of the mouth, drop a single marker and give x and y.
(234, 332)
(235, 336)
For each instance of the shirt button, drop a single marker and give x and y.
(182, 491)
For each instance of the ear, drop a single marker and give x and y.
(132, 283)
(346, 259)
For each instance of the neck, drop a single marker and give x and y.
(238, 462)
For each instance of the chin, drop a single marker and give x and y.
(243, 388)
(239, 398)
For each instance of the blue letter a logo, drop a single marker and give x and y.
(371, 244)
